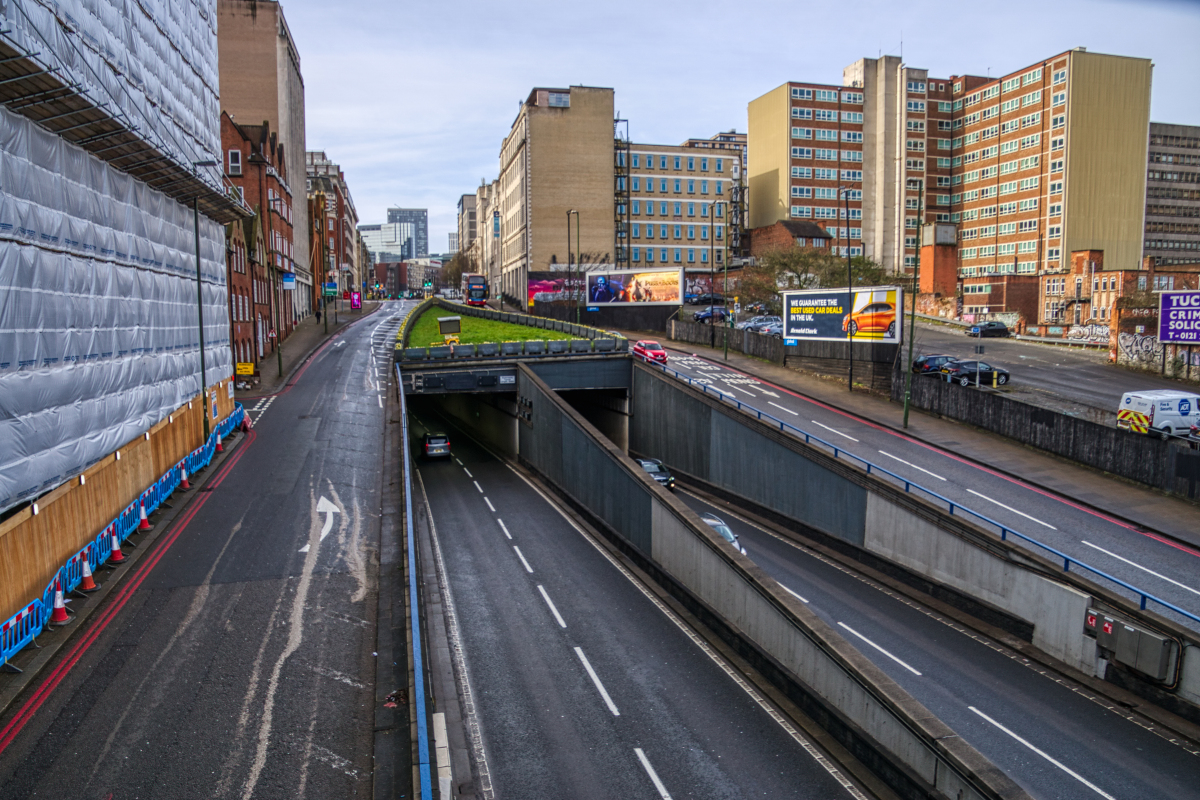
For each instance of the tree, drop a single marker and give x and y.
(453, 271)
(798, 267)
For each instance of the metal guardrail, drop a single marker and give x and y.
(20, 630)
(952, 506)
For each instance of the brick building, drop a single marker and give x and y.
(241, 303)
(787, 233)
(340, 253)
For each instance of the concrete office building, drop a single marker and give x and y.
(260, 79)
(725, 140)
(1173, 194)
(557, 157)
(388, 242)
(418, 218)
(466, 222)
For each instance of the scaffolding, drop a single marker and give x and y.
(621, 161)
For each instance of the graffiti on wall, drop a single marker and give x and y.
(1095, 334)
(1137, 348)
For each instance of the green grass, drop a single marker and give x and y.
(475, 330)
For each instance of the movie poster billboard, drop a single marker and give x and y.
(657, 287)
(548, 287)
(873, 314)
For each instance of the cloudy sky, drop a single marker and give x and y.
(413, 98)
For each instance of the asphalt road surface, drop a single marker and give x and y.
(583, 687)
(1156, 564)
(242, 665)
(1066, 378)
(1056, 740)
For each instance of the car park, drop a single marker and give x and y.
(967, 373)
(718, 525)
(649, 350)
(436, 445)
(710, 314)
(660, 473)
(931, 364)
(991, 328)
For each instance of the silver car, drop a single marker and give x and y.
(718, 525)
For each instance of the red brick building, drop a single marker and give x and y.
(787, 233)
(241, 294)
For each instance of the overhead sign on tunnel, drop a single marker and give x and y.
(872, 314)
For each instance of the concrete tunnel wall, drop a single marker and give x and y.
(889, 731)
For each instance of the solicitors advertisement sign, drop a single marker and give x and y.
(871, 314)
(1179, 317)
(635, 287)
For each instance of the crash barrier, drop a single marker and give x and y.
(854, 700)
(21, 628)
(1170, 466)
(915, 532)
(414, 609)
(873, 362)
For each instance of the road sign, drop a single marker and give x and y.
(271, 334)
(245, 368)
(331, 289)
(289, 281)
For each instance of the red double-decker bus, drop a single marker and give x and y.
(474, 289)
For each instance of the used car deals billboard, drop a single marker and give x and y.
(1179, 317)
(871, 314)
(644, 287)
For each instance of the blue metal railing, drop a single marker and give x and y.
(19, 630)
(952, 506)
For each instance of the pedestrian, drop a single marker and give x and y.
(318, 316)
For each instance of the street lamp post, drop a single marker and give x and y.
(572, 261)
(912, 325)
(712, 283)
(200, 301)
(725, 290)
(849, 288)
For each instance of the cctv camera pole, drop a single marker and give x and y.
(912, 325)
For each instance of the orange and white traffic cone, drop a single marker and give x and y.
(183, 483)
(59, 616)
(116, 556)
(219, 448)
(87, 584)
(144, 525)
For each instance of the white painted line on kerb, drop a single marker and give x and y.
(880, 649)
(506, 533)
(662, 790)
(914, 466)
(469, 475)
(1139, 566)
(782, 408)
(489, 502)
(380, 399)
(1013, 510)
(833, 430)
(550, 603)
(528, 568)
(793, 594)
(596, 680)
(477, 486)
(1046, 756)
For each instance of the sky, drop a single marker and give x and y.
(413, 99)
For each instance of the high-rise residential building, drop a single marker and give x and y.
(260, 79)
(558, 157)
(452, 244)
(466, 221)
(679, 205)
(1173, 194)
(1029, 166)
(418, 218)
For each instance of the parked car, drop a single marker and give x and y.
(746, 323)
(657, 471)
(1160, 412)
(774, 329)
(931, 364)
(718, 525)
(757, 323)
(690, 298)
(966, 373)
(710, 314)
(756, 308)
(648, 350)
(988, 329)
(708, 300)
(436, 445)
(873, 318)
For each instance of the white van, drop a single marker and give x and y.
(1163, 412)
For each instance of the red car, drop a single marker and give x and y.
(648, 350)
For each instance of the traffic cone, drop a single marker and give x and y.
(246, 424)
(116, 557)
(219, 448)
(144, 525)
(59, 615)
(183, 484)
(87, 585)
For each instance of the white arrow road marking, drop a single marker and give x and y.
(339, 344)
(328, 509)
(764, 391)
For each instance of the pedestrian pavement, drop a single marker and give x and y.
(1117, 497)
(306, 337)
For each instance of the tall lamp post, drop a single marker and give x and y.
(912, 325)
(200, 300)
(572, 260)
(845, 193)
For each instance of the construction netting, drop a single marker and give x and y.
(99, 317)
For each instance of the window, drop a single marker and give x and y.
(662, 164)
(917, 86)
(1058, 122)
(1010, 105)
(678, 255)
(1032, 77)
(852, 155)
(649, 231)
(825, 174)
(910, 222)
(852, 175)
(1031, 141)
(691, 187)
(943, 180)
(916, 106)
(958, 87)
(662, 184)
(691, 164)
(827, 135)
(704, 165)
(703, 187)
(678, 209)
(1058, 98)
(1011, 85)
(852, 97)
(637, 184)
(943, 107)
(852, 136)
(802, 113)
(801, 211)
(1054, 232)
(1032, 98)
(852, 117)
(826, 194)
(678, 162)
(826, 155)
(916, 125)
(1060, 76)
(1029, 205)
(1056, 187)
(637, 254)
(720, 187)
(943, 163)
(560, 100)
(822, 115)
(915, 164)
(1058, 144)
(801, 191)
(678, 186)
(636, 160)
(943, 144)
(916, 145)
(1056, 166)
(801, 152)
(704, 232)
(1029, 183)
(636, 231)
(720, 165)
(825, 213)
(691, 209)
(801, 172)
(235, 162)
(826, 96)
(801, 94)
(1027, 225)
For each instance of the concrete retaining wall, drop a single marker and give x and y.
(895, 736)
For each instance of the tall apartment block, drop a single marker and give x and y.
(725, 140)
(1173, 194)
(558, 157)
(1030, 166)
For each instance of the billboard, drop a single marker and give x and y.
(1179, 317)
(872, 314)
(547, 287)
(641, 287)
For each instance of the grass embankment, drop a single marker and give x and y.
(475, 330)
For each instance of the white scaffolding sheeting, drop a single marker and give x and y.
(99, 333)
